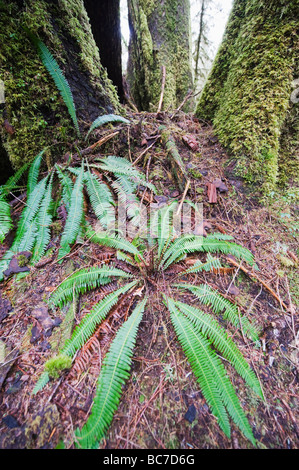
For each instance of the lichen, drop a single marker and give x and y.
(247, 95)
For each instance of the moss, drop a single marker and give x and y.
(33, 105)
(57, 364)
(247, 95)
(159, 39)
(22, 261)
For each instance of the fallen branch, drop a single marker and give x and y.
(251, 275)
(177, 165)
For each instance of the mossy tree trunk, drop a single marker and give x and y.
(248, 93)
(160, 36)
(33, 106)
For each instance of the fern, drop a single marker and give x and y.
(86, 328)
(83, 280)
(208, 368)
(74, 218)
(34, 172)
(5, 219)
(105, 119)
(114, 373)
(101, 199)
(67, 186)
(210, 297)
(44, 220)
(58, 77)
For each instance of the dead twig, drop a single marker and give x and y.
(162, 88)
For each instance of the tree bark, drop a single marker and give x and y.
(33, 106)
(160, 36)
(105, 24)
(247, 94)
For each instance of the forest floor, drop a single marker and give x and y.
(162, 406)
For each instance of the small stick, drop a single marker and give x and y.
(246, 271)
(183, 198)
(162, 88)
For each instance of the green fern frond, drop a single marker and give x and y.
(58, 77)
(27, 223)
(67, 186)
(74, 218)
(82, 281)
(101, 199)
(12, 181)
(190, 244)
(210, 328)
(5, 219)
(33, 173)
(117, 243)
(114, 373)
(213, 245)
(209, 370)
(203, 361)
(210, 263)
(213, 299)
(105, 119)
(44, 220)
(89, 323)
(41, 382)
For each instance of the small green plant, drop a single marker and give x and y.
(199, 333)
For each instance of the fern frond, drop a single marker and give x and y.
(5, 219)
(82, 281)
(67, 186)
(12, 181)
(101, 199)
(114, 373)
(74, 218)
(58, 77)
(44, 220)
(41, 382)
(89, 323)
(190, 244)
(204, 327)
(27, 224)
(210, 328)
(33, 173)
(213, 299)
(210, 263)
(213, 245)
(203, 361)
(117, 243)
(105, 119)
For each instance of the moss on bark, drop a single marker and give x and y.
(33, 106)
(247, 94)
(160, 36)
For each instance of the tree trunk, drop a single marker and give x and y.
(34, 115)
(247, 94)
(160, 37)
(105, 24)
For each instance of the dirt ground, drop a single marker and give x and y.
(161, 406)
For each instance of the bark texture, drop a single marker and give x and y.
(247, 94)
(33, 106)
(160, 36)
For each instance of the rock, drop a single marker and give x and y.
(191, 414)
